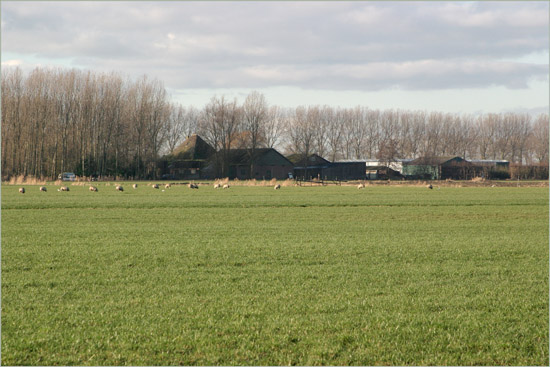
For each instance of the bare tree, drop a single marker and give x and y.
(414, 124)
(335, 129)
(521, 130)
(301, 133)
(219, 124)
(175, 127)
(275, 126)
(320, 117)
(255, 113)
(539, 138)
(433, 131)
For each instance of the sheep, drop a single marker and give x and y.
(155, 186)
(217, 186)
(119, 188)
(134, 186)
(64, 188)
(277, 187)
(43, 188)
(430, 186)
(22, 190)
(93, 189)
(193, 186)
(226, 186)
(361, 186)
(167, 186)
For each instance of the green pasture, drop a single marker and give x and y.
(253, 276)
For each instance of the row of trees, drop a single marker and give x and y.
(56, 120)
(358, 133)
(354, 133)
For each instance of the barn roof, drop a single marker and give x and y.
(312, 160)
(263, 156)
(435, 161)
(194, 148)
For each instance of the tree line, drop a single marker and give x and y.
(57, 120)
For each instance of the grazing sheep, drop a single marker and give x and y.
(167, 186)
(277, 187)
(217, 186)
(43, 188)
(430, 186)
(64, 188)
(155, 186)
(22, 190)
(226, 186)
(361, 186)
(93, 188)
(193, 186)
(119, 188)
(134, 186)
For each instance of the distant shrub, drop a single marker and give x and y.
(499, 174)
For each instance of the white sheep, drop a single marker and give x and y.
(155, 186)
(226, 186)
(277, 187)
(43, 188)
(167, 186)
(361, 186)
(93, 189)
(134, 186)
(22, 190)
(217, 186)
(64, 188)
(119, 188)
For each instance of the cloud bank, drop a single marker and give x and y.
(364, 46)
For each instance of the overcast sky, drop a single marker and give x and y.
(466, 57)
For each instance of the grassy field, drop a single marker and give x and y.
(253, 276)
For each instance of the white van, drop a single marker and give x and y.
(67, 176)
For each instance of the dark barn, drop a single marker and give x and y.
(190, 159)
(266, 165)
(314, 167)
(345, 170)
(438, 168)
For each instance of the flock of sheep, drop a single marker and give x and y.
(167, 186)
(135, 186)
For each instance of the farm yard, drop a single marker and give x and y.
(385, 275)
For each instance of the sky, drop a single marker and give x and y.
(458, 57)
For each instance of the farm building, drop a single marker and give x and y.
(490, 163)
(345, 170)
(491, 168)
(267, 164)
(438, 168)
(381, 173)
(190, 159)
(395, 165)
(314, 167)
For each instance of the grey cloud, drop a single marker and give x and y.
(343, 45)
